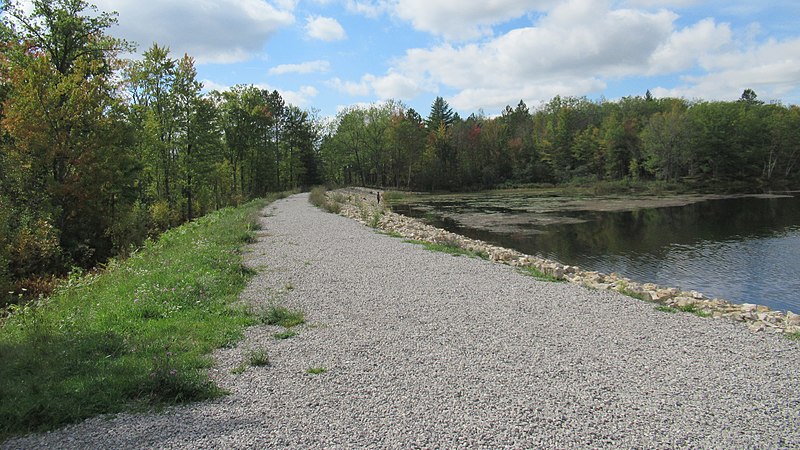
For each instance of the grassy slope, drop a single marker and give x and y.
(137, 335)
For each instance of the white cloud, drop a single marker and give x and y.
(576, 48)
(568, 52)
(685, 47)
(391, 86)
(369, 8)
(212, 31)
(396, 86)
(772, 69)
(356, 89)
(209, 85)
(459, 20)
(319, 66)
(301, 97)
(324, 29)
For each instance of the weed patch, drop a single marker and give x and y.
(539, 275)
(280, 315)
(449, 248)
(632, 294)
(286, 334)
(258, 358)
(666, 309)
(318, 198)
(694, 310)
(316, 370)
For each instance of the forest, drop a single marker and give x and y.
(745, 144)
(99, 152)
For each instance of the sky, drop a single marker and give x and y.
(478, 55)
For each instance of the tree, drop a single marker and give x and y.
(441, 114)
(66, 127)
(67, 30)
(666, 146)
(750, 97)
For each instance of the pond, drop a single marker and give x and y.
(744, 249)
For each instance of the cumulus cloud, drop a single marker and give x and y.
(212, 31)
(771, 68)
(301, 97)
(390, 86)
(567, 52)
(324, 29)
(210, 85)
(319, 66)
(460, 20)
(685, 47)
(575, 48)
(369, 8)
(360, 88)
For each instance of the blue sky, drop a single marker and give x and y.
(329, 54)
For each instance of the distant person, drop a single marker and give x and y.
(379, 197)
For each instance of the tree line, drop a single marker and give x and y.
(746, 143)
(99, 152)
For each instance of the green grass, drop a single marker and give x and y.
(139, 335)
(393, 234)
(286, 334)
(258, 358)
(666, 309)
(316, 370)
(539, 275)
(280, 315)
(794, 336)
(318, 198)
(450, 249)
(694, 310)
(632, 294)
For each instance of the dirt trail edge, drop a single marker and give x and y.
(424, 349)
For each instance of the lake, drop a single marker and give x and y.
(743, 249)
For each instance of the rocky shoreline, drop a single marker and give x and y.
(361, 204)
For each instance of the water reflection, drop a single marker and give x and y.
(743, 249)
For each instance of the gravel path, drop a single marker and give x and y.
(424, 349)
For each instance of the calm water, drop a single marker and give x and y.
(746, 250)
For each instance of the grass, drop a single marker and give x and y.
(316, 370)
(318, 198)
(450, 249)
(280, 315)
(375, 221)
(539, 275)
(794, 336)
(633, 294)
(666, 309)
(694, 310)
(137, 336)
(258, 358)
(286, 334)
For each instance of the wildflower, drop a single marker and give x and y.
(173, 372)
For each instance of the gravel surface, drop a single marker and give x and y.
(425, 349)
